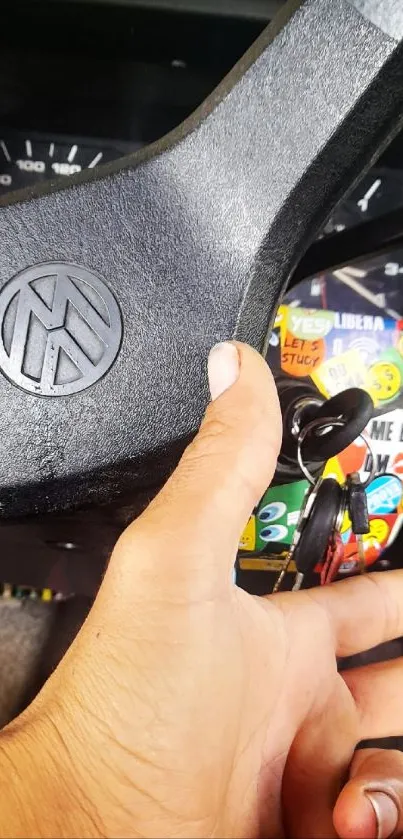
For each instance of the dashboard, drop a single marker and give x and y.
(85, 83)
(374, 284)
(29, 157)
(370, 285)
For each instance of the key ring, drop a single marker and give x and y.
(319, 424)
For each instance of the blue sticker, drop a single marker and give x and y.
(345, 537)
(274, 533)
(272, 512)
(384, 494)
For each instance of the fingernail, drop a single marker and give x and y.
(386, 813)
(223, 368)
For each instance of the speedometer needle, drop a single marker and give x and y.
(364, 201)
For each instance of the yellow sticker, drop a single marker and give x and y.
(248, 538)
(283, 310)
(346, 523)
(333, 470)
(378, 531)
(280, 316)
(400, 344)
(339, 373)
(384, 381)
(266, 563)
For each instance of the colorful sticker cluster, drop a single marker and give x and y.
(276, 517)
(335, 351)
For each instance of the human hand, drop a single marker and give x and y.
(370, 805)
(184, 702)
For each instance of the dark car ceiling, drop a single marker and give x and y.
(258, 9)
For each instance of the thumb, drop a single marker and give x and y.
(192, 528)
(129, 687)
(370, 806)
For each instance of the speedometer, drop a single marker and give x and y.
(28, 158)
(370, 286)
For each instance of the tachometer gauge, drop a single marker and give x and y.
(379, 192)
(28, 158)
(371, 286)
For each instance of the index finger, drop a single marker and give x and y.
(364, 611)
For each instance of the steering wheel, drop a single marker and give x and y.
(114, 286)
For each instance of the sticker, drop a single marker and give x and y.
(333, 470)
(292, 518)
(272, 562)
(384, 381)
(384, 494)
(346, 536)
(378, 531)
(248, 539)
(281, 312)
(273, 533)
(272, 512)
(397, 464)
(300, 357)
(339, 373)
(386, 436)
(353, 458)
(391, 354)
(351, 560)
(368, 336)
(287, 498)
(366, 345)
(351, 550)
(377, 538)
(309, 324)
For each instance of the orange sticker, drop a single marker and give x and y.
(300, 357)
(352, 459)
(397, 464)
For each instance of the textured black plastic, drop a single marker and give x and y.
(196, 237)
(357, 505)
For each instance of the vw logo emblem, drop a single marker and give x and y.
(60, 329)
